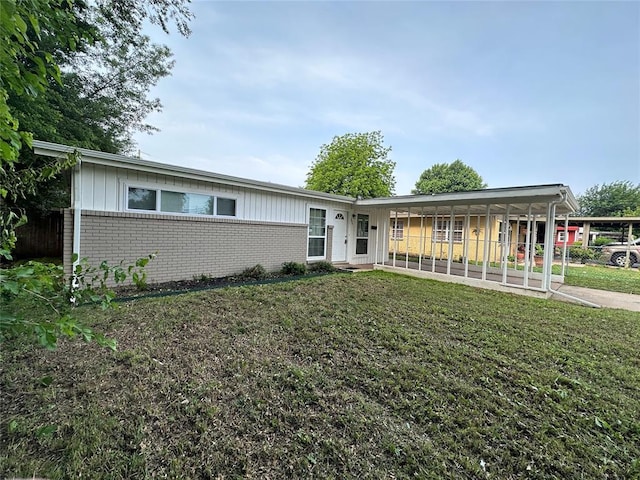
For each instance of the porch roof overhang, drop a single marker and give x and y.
(518, 200)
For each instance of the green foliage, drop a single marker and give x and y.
(355, 165)
(576, 252)
(614, 199)
(600, 241)
(257, 272)
(38, 301)
(322, 267)
(452, 177)
(293, 268)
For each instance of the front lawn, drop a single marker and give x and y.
(368, 375)
(614, 279)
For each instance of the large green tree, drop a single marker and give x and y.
(42, 44)
(78, 73)
(448, 177)
(354, 165)
(616, 199)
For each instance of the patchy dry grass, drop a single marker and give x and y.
(345, 376)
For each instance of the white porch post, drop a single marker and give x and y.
(450, 249)
(408, 240)
(465, 247)
(515, 263)
(434, 224)
(477, 239)
(527, 249)
(565, 259)
(487, 226)
(548, 246)
(506, 242)
(384, 249)
(375, 259)
(395, 237)
(421, 250)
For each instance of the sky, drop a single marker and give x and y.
(526, 93)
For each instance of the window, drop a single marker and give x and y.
(362, 234)
(191, 203)
(317, 232)
(442, 230)
(560, 237)
(141, 199)
(167, 201)
(226, 207)
(397, 230)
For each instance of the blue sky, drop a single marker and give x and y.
(524, 92)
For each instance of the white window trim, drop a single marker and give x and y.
(172, 188)
(447, 231)
(326, 224)
(395, 229)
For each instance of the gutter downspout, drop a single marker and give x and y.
(548, 280)
(77, 214)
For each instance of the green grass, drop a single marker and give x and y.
(614, 279)
(368, 375)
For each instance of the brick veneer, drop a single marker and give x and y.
(185, 246)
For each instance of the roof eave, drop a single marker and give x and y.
(111, 159)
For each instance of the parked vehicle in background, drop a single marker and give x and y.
(616, 253)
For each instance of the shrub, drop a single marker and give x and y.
(257, 272)
(322, 266)
(293, 268)
(576, 252)
(600, 241)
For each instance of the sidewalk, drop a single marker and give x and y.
(603, 298)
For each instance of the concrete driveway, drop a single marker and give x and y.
(602, 298)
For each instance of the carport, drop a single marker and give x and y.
(486, 228)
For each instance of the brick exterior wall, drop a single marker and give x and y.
(185, 246)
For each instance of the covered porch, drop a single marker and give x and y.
(493, 238)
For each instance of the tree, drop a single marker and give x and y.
(355, 165)
(617, 199)
(37, 37)
(452, 177)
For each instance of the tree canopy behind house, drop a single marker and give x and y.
(354, 165)
(448, 177)
(79, 73)
(616, 199)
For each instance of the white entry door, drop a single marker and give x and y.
(339, 240)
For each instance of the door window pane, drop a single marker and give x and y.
(141, 199)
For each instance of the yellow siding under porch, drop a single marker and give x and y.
(414, 234)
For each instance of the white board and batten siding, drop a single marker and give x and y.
(104, 188)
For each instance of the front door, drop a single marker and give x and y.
(339, 240)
